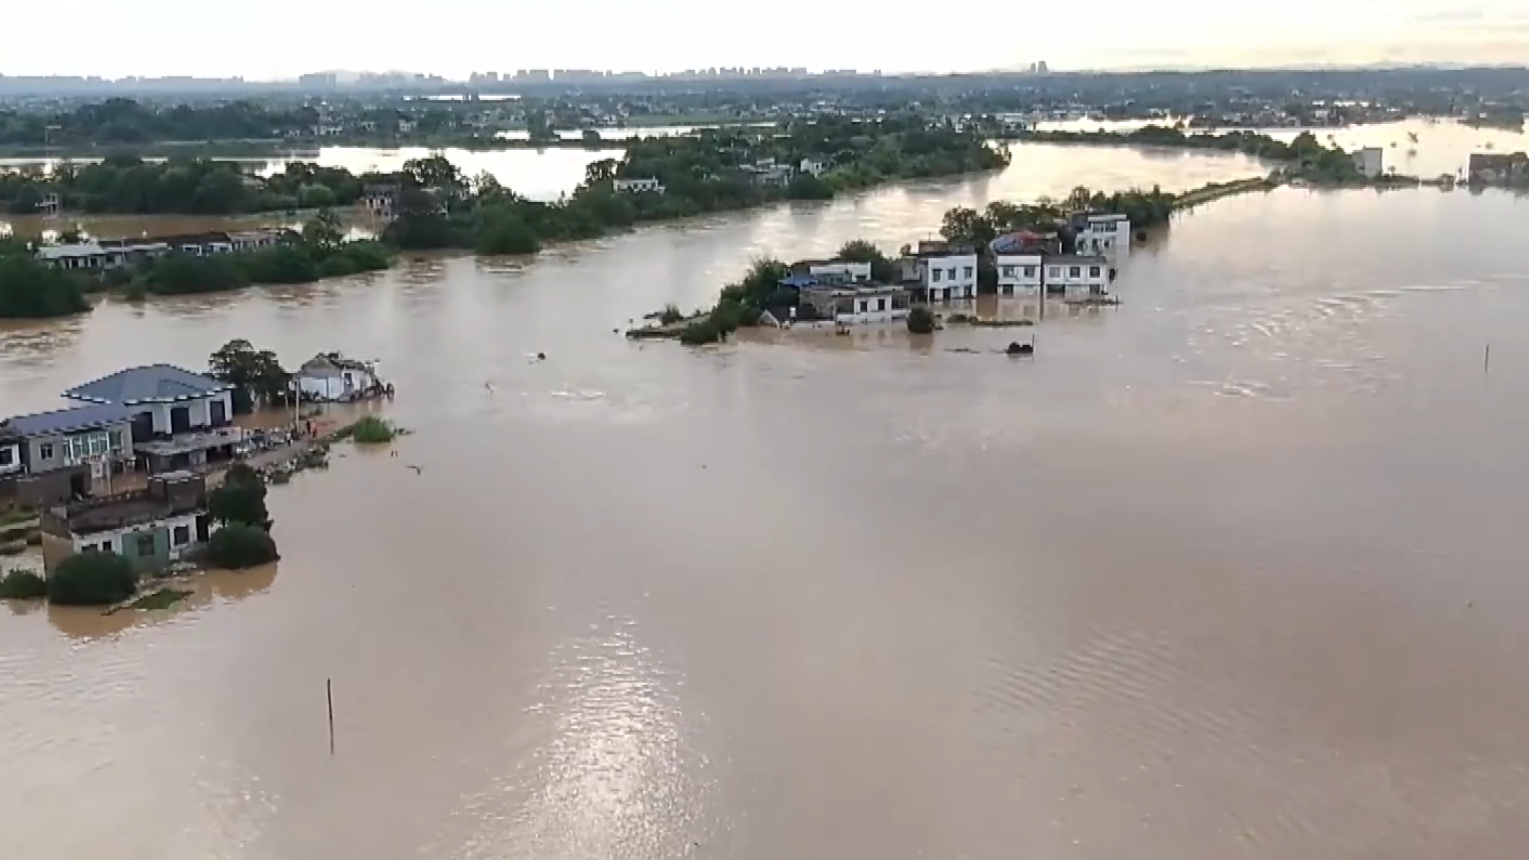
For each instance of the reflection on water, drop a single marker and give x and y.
(1233, 569)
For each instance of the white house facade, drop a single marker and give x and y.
(1077, 275)
(813, 167)
(949, 276)
(335, 378)
(1019, 274)
(1370, 161)
(1106, 235)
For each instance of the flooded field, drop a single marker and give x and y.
(1231, 570)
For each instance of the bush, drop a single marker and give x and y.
(92, 579)
(670, 315)
(372, 430)
(702, 332)
(23, 585)
(30, 290)
(503, 232)
(921, 321)
(238, 546)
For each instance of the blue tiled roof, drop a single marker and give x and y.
(798, 281)
(66, 420)
(156, 382)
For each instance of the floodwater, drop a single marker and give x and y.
(1232, 570)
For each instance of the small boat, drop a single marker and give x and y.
(1017, 348)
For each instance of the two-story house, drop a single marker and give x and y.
(54, 456)
(942, 271)
(179, 419)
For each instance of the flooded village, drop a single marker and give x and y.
(1228, 569)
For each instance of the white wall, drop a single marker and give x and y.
(956, 273)
(1109, 238)
(1018, 273)
(201, 410)
(116, 536)
(1078, 278)
(853, 271)
(867, 310)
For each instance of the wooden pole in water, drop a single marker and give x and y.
(329, 695)
(1486, 360)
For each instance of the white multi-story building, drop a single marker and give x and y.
(1077, 274)
(647, 185)
(1019, 274)
(858, 305)
(943, 272)
(1105, 235)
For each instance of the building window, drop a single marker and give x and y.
(1056, 272)
(881, 304)
(7, 456)
(1093, 271)
(145, 543)
(115, 438)
(966, 272)
(1008, 271)
(45, 450)
(951, 273)
(182, 535)
(1074, 271)
(1029, 271)
(935, 275)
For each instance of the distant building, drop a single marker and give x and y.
(1491, 168)
(1369, 161)
(834, 271)
(333, 377)
(814, 167)
(857, 305)
(646, 185)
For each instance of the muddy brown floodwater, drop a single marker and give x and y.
(1233, 570)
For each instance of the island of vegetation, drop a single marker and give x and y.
(432, 205)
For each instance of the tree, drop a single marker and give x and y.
(23, 585)
(92, 579)
(965, 226)
(255, 374)
(322, 232)
(860, 251)
(501, 231)
(239, 546)
(599, 172)
(435, 172)
(31, 290)
(920, 321)
(240, 500)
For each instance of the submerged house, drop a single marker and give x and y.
(855, 305)
(152, 527)
(55, 456)
(333, 377)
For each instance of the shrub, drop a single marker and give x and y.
(92, 579)
(670, 315)
(921, 321)
(23, 585)
(372, 430)
(701, 332)
(238, 546)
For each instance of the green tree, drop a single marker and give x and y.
(255, 374)
(883, 270)
(501, 231)
(240, 500)
(239, 546)
(966, 226)
(323, 231)
(23, 585)
(31, 290)
(920, 320)
(435, 172)
(92, 579)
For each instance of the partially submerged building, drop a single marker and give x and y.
(331, 376)
(152, 527)
(179, 419)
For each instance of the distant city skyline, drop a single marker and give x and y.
(289, 38)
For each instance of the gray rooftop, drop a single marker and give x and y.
(156, 383)
(66, 420)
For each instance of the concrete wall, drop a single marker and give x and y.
(201, 411)
(57, 451)
(953, 277)
(125, 542)
(1018, 273)
(1088, 279)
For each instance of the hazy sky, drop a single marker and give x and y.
(283, 38)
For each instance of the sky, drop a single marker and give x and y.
(276, 39)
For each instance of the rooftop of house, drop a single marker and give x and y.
(69, 251)
(853, 290)
(1076, 259)
(334, 360)
(212, 238)
(172, 494)
(66, 420)
(155, 383)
